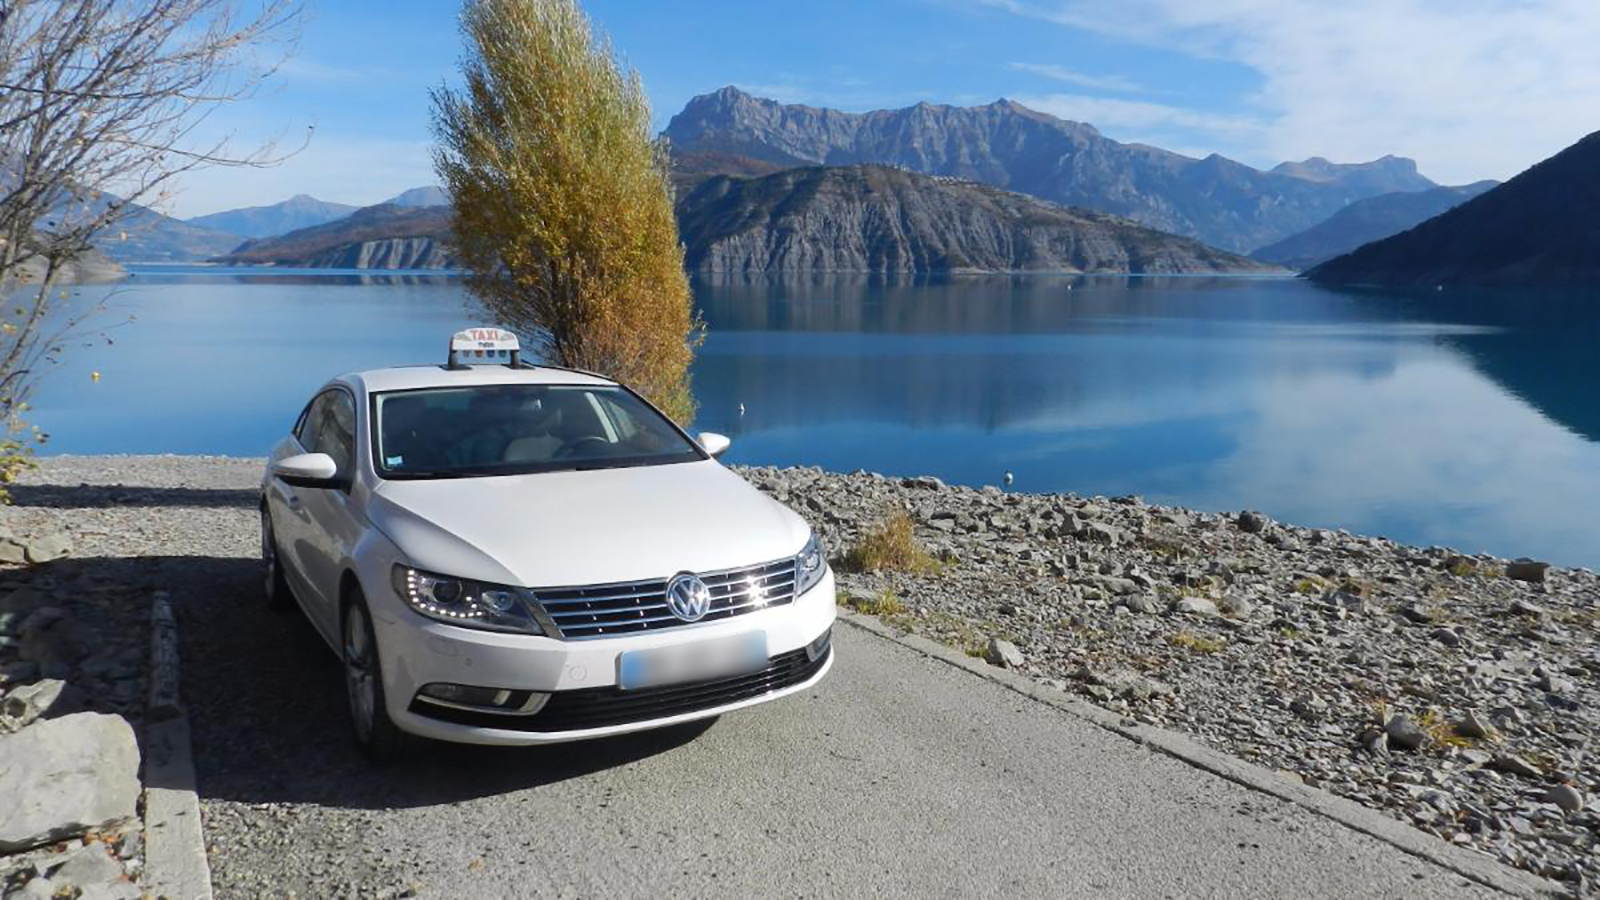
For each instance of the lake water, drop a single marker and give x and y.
(1468, 419)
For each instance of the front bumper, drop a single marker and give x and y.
(581, 675)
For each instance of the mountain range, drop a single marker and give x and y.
(386, 236)
(143, 235)
(763, 186)
(1365, 221)
(881, 219)
(1222, 202)
(1541, 227)
(299, 211)
(146, 236)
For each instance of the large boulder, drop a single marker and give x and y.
(63, 777)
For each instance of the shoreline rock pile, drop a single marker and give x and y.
(72, 669)
(1457, 693)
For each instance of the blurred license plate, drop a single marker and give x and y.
(692, 662)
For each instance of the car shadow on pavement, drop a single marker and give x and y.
(266, 701)
(102, 496)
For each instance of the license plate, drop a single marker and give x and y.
(692, 662)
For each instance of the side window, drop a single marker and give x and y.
(311, 422)
(329, 426)
(300, 430)
(337, 436)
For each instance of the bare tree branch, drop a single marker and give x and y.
(100, 105)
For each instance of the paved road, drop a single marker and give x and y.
(898, 775)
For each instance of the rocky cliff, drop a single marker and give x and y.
(388, 253)
(1540, 228)
(1222, 202)
(878, 219)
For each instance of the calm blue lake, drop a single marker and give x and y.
(1469, 419)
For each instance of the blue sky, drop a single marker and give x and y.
(1470, 88)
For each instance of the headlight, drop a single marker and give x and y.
(470, 604)
(809, 566)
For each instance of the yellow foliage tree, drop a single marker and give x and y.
(562, 206)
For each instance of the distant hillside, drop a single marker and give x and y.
(432, 195)
(143, 235)
(1541, 227)
(1365, 221)
(1385, 175)
(878, 219)
(299, 211)
(93, 267)
(1224, 203)
(377, 237)
(689, 170)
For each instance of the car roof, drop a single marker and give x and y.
(406, 378)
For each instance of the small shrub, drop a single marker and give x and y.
(890, 548)
(1307, 586)
(1195, 643)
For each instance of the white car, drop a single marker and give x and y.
(512, 554)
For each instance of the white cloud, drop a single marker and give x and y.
(1471, 88)
(1081, 79)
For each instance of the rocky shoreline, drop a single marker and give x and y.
(1460, 694)
(73, 679)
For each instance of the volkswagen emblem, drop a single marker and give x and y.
(688, 597)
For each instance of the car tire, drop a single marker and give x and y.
(274, 585)
(379, 738)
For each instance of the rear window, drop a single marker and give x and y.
(503, 429)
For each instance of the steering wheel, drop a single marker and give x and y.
(570, 448)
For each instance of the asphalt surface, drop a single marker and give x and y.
(898, 775)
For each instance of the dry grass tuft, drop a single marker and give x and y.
(1440, 729)
(886, 603)
(1194, 643)
(891, 547)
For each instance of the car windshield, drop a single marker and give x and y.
(508, 429)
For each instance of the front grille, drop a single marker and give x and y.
(608, 706)
(604, 610)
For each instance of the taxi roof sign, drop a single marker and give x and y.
(484, 347)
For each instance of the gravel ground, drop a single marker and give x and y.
(1420, 682)
(1431, 685)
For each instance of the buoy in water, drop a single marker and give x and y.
(1008, 478)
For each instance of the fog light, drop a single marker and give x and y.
(491, 700)
(465, 695)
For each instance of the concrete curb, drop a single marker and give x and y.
(174, 846)
(1466, 863)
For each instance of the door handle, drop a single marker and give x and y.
(293, 500)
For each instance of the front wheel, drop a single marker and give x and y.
(379, 738)
(274, 585)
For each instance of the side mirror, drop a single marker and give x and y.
(713, 443)
(308, 470)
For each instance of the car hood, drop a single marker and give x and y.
(554, 529)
